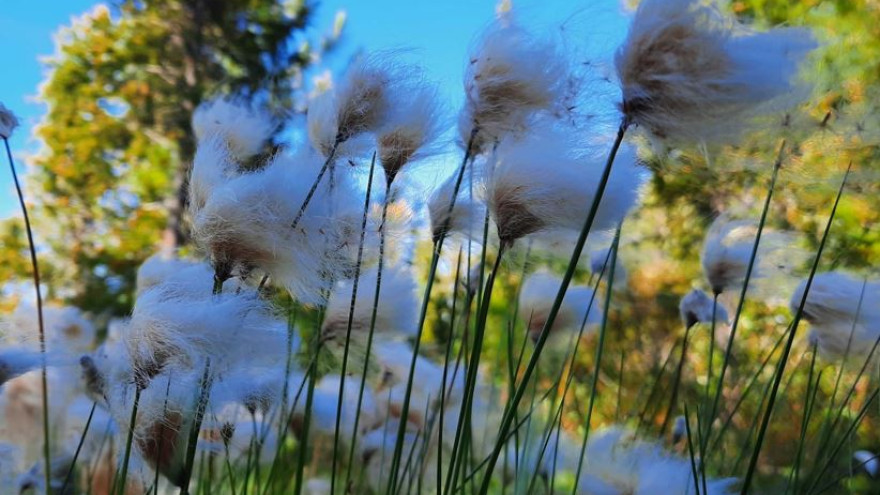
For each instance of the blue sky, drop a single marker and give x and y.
(438, 31)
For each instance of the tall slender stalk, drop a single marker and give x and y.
(676, 381)
(753, 463)
(812, 389)
(371, 333)
(460, 443)
(201, 407)
(574, 353)
(82, 440)
(507, 420)
(742, 300)
(354, 290)
(304, 441)
(745, 393)
(690, 444)
(302, 209)
(44, 382)
(120, 481)
(435, 260)
(597, 366)
(654, 391)
(843, 439)
(445, 377)
(464, 425)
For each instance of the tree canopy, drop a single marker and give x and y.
(117, 143)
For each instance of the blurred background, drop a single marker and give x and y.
(105, 92)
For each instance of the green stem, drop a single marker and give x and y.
(507, 420)
(676, 381)
(354, 290)
(597, 366)
(196, 426)
(372, 330)
(129, 440)
(808, 410)
(435, 260)
(690, 444)
(768, 412)
(742, 299)
(314, 188)
(82, 440)
(47, 458)
(464, 424)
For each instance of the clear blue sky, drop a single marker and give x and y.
(439, 31)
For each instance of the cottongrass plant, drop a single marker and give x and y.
(535, 301)
(690, 72)
(220, 382)
(8, 123)
(844, 314)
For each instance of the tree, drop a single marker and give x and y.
(117, 142)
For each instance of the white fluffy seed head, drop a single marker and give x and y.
(9, 461)
(413, 124)
(618, 459)
(318, 486)
(395, 358)
(8, 122)
(542, 182)
(34, 480)
(727, 250)
(246, 223)
(360, 103)
(510, 77)
(601, 259)
(689, 72)
(468, 211)
(697, 307)
(324, 408)
(396, 309)
(212, 167)
(67, 331)
(160, 267)
(17, 361)
(243, 127)
(174, 327)
(844, 313)
(536, 300)
(322, 122)
(166, 407)
(679, 429)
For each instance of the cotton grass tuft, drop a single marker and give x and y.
(690, 72)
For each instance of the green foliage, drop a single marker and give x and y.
(109, 184)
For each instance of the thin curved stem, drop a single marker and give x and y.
(314, 188)
(768, 412)
(742, 300)
(435, 260)
(354, 291)
(47, 458)
(507, 420)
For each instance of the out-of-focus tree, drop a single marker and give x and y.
(108, 187)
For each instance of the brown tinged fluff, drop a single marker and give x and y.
(512, 217)
(161, 445)
(499, 101)
(95, 384)
(365, 107)
(337, 328)
(673, 52)
(396, 149)
(720, 274)
(147, 369)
